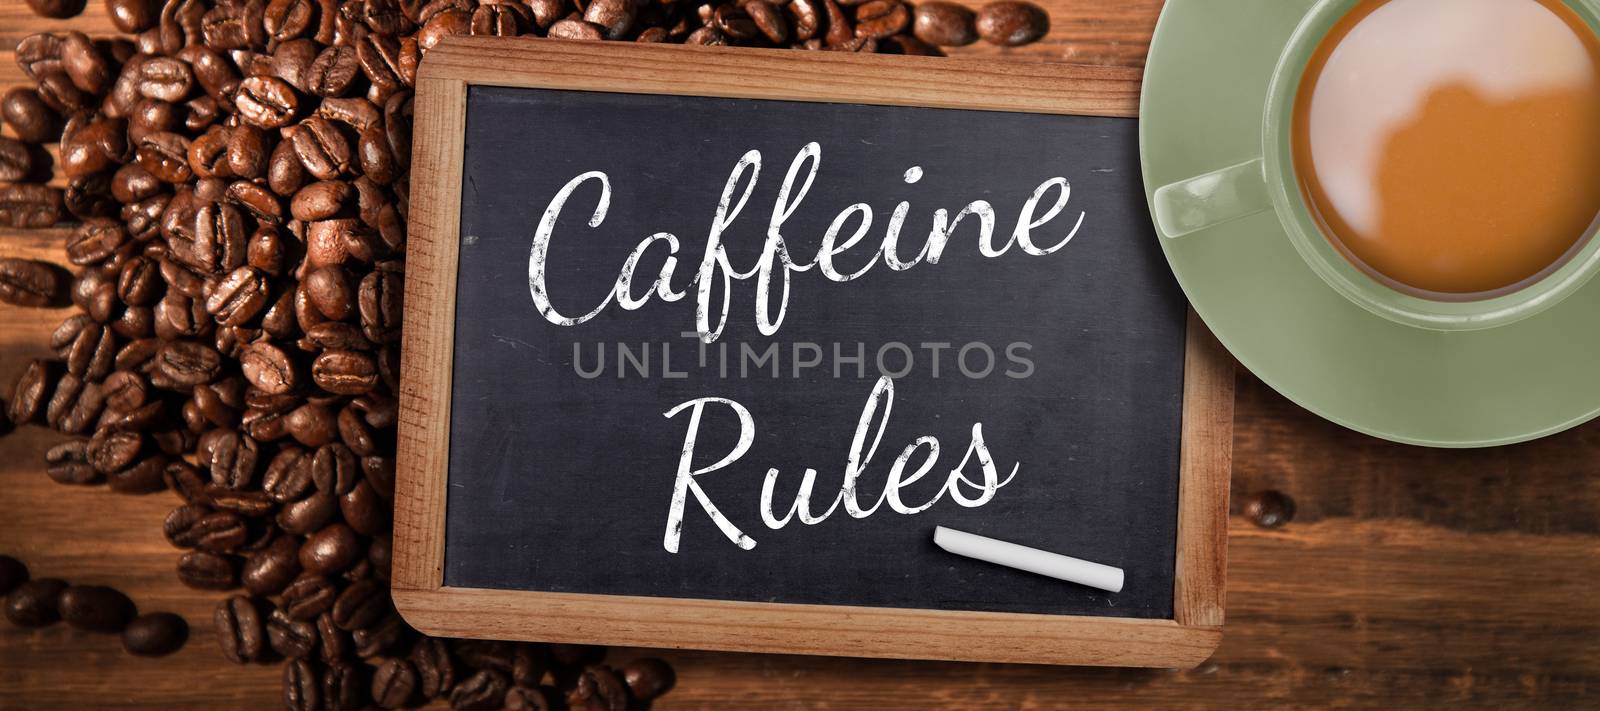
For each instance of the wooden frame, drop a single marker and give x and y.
(1183, 641)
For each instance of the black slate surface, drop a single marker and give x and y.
(560, 482)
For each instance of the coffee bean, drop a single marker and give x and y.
(334, 335)
(188, 362)
(364, 511)
(576, 30)
(111, 451)
(28, 115)
(598, 689)
(166, 156)
(271, 569)
(647, 678)
(202, 113)
(525, 698)
(239, 297)
(441, 25)
(220, 241)
(143, 477)
(384, 637)
(32, 390)
(768, 19)
(94, 240)
(393, 683)
(331, 550)
(312, 425)
(165, 79)
(292, 638)
(1009, 23)
(487, 654)
(500, 19)
(333, 71)
(944, 24)
(90, 349)
(357, 113)
(232, 26)
(16, 160)
(27, 282)
(12, 574)
(287, 19)
(59, 9)
(59, 93)
(68, 463)
(343, 687)
(528, 664)
(1269, 509)
(29, 205)
(139, 282)
(247, 152)
(83, 62)
(361, 605)
(155, 635)
(380, 554)
(208, 158)
(92, 144)
(193, 526)
(125, 390)
(322, 149)
(74, 405)
(231, 456)
(291, 62)
(89, 196)
(380, 299)
(35, 603)
(576, 655)
(132, 16)
(308, 596)
(262, 205)
(39, 55)
(345, 372)
(96, 608)
(302, 686)
(204, 570)
(333, 644)
(615, 17)
(435, 670)
(483, 691)
(267, 102)
(334, 469)
(320, 200)
(249, 504)
(240, 633)
(308, 514)
(839, 33)
(734, 22)
(881, 18)
(330, 290)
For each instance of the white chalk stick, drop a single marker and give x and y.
(1033, 560)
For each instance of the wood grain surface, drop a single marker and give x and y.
(1408, 578)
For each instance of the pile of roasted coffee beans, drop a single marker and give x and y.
(238, 172)
(93, 608)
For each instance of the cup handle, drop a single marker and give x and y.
(1214, 198)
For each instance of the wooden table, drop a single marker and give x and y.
(1408, 577)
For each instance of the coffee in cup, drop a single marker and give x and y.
(1450, 149)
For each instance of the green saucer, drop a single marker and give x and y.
(1205, 90)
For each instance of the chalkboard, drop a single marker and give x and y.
(674, 313)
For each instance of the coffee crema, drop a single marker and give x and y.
(1451, 148)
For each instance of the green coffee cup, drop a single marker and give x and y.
(1267, 182)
